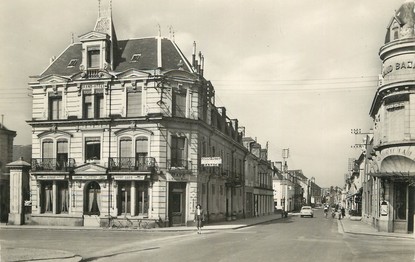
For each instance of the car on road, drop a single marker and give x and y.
(306, 211)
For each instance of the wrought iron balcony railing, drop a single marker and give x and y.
(178, 164)
(52, 164)
(131, 164)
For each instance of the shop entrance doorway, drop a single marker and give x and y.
(177, 204)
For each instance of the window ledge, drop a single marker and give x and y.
(57, 215)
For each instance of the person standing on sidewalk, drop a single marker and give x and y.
(199, 218)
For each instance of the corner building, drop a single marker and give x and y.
(389, 192)
(119, 131)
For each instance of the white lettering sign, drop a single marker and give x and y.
(211, 161)
(49, 177)
(134, 177)
(89, 177)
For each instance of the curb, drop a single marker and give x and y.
(341, 229)
(211, 227)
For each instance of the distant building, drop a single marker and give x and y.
(258, 180)
(6, 156)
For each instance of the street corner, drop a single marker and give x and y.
(31, 254)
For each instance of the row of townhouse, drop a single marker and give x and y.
(127, 131)
(380, 187)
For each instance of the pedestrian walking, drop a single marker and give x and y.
(199, 218)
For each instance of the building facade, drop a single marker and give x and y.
(389, 190)
(120, 128)
(6, 156)
(258, 180)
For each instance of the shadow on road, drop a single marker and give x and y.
(278, 221)
(119, 253)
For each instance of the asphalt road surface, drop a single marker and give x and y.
(290, 239)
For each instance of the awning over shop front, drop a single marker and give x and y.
(358, 193)
(393, 174)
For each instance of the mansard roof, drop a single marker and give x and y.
(405, 17)
(167, 56)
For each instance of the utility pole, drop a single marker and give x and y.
(285, 155)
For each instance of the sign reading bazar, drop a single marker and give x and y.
(211, 161)
(387, 69)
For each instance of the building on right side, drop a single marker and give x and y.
(388, 191)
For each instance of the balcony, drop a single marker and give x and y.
(131, 164)
(178, 164)
(93, 73)
(52, 165)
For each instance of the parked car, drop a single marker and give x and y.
(306, 211)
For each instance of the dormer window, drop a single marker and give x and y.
(73, 62)
(94, 57)
(135, 58)
(395, 31)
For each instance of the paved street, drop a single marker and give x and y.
(293, 239)
(290, 239)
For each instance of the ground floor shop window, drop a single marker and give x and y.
(46, 197)
(63, 197)
(54, 194)
(133, 198)
(92, 204)
(400, 201)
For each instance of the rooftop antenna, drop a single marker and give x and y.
(72, 39)
(99, 8)
(159, 29)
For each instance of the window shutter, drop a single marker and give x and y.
(125, 147)
(47, 149)
(141, 145)
(134, 104)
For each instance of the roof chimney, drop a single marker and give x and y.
(194, 54)
(202, 65)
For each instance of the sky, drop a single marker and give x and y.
(296, 74)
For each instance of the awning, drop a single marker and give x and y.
(393, 174)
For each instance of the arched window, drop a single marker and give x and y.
(141, 152)
(394, 31)
(125, 147)
(126, 159)
(61, 154)
(92, 205)
(47, 149)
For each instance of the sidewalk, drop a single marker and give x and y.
(223, 225)
(353, 225)
(29, 254)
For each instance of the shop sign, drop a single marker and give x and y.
(179, 177)
(211, 161)
(50, 177)
(104, 177)
(394, 151)
(130, 177)
(397, 66)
